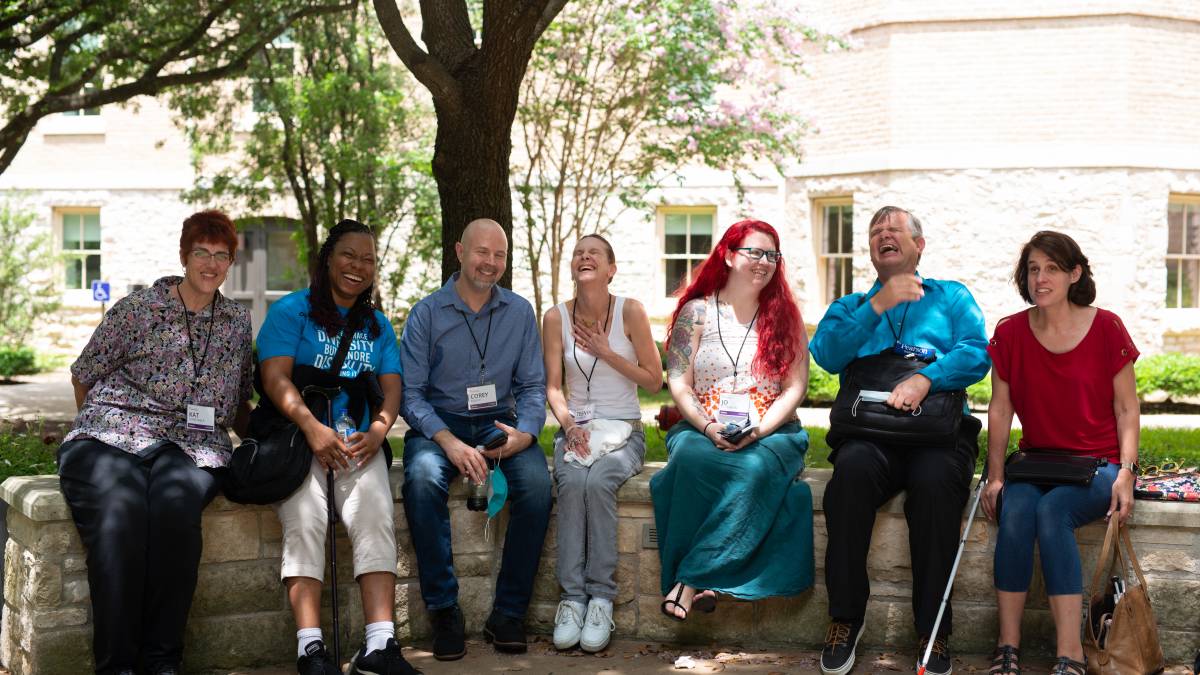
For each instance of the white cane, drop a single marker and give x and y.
(953, 571)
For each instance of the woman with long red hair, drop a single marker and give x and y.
(730, 517)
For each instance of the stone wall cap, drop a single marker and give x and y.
(36, 497)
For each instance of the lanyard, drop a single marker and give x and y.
(903, 316)
(486, 340)
(744, 337)
(187, 322)
(588, 375)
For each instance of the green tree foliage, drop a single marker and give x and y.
(27, 266)
(68, 55)
(337, 134)
(622, 95)
(1176, 374)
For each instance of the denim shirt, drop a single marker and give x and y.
(947, 320)
(441, 359)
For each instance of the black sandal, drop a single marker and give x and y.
(1004, 661)
(705, 601)
(678, 595)
(1067, 666)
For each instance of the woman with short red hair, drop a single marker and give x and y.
(162, 380)
(731, 517)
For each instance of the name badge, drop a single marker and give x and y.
(201, 418)
(914, 352)
(481, 396)
(584, 413)
(733, 408)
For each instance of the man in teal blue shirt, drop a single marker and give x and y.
(930, 319)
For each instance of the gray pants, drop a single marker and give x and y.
(587, 518)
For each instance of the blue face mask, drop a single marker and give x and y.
(497, 492)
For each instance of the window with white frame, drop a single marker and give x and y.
(80, 247)
(1183, 252)
(835, 222)
(687, 241)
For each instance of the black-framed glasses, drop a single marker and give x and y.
(203, 254)
(773, 257)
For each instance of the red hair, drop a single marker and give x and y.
(210, 225)
(779, 326)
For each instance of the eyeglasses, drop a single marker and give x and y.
(1166, 469)
(203, 254)
(773, 257)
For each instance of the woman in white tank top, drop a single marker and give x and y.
(602, 344)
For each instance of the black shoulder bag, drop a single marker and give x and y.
(1050, 468)
(856, 414)
(271, 463)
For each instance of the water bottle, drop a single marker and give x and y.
(477, 493)
(345, 426)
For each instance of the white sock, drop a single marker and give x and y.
(306, 636)
(378, 634)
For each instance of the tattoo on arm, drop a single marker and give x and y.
(679, 345)
(696, 407)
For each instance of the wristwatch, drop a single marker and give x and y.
(1132, 467)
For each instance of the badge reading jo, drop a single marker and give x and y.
(201, 418)
(481, 396)
(733, 408)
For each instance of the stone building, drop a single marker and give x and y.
(990, 120)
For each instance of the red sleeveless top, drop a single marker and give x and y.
(1064, 401)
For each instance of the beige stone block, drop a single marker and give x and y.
(272, 551)
(466, 529)
(61, 652)
(550, 543)
(43, 538)
(799, 620)
(629, 534)
(270, 527)
(1175, 602)
(57, 618)
(239, 642)
(43, 586)
(539, 619)
(975, 628)
(1169, 560)
(625, 616)
(238, 588)
(8, 635)
(74, 563)
(1178, 647)
(406, 561)
(475, 595)
(975, 580)
(545, 584)
(412, 620)
(635, 510)
(649, 572)
(733, 621)
(75, 591)
(1145, 534)
(230, 536)
(14, 571)
(626, 577)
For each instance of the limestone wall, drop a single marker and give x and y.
(240, 616)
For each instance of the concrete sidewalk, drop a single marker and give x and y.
(49, 397)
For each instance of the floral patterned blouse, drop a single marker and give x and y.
(712, 367)
(140, 371)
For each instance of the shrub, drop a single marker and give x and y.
(27, 263)
(1176, 374)
(17, 361)
(27, 453)
(980, 393)
(822, 385)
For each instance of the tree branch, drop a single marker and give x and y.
(428, 71)
(446, 31)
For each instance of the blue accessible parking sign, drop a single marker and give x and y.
(101, 291)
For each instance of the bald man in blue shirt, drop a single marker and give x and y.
(929, 319)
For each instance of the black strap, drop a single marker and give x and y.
(343, 349)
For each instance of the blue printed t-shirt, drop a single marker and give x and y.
(288, 331)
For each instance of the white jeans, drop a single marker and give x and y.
(363, 499)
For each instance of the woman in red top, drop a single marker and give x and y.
(1066, 369)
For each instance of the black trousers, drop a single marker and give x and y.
(139, 519)
(866, 475)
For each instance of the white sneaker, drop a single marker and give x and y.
(568, 624)
(598, 627)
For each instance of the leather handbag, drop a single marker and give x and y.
(1050, 468)
(1120, 634)
(935, 421)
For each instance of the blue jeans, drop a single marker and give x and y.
(427, 476)
(1050, 516)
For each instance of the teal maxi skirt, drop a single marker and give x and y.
(739, 523)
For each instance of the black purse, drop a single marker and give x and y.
(935, 421)
(1050, 468)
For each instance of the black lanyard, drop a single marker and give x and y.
(486, 341)
(744, 338)
(588, 375)
(187, 322)
(903, 317)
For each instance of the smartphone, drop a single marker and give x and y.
(494, 439)
(741, 433)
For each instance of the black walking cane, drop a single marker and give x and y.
(953, 571)
(330, 393)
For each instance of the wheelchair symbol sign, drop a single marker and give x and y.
(101, 291)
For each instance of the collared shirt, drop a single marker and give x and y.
(441, 359)
(141, 374)
(947, 320)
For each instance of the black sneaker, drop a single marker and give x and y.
(939, 657)
(841, 640)
(506, 633)
(449, 634)
(317, 661)
(386, 661)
